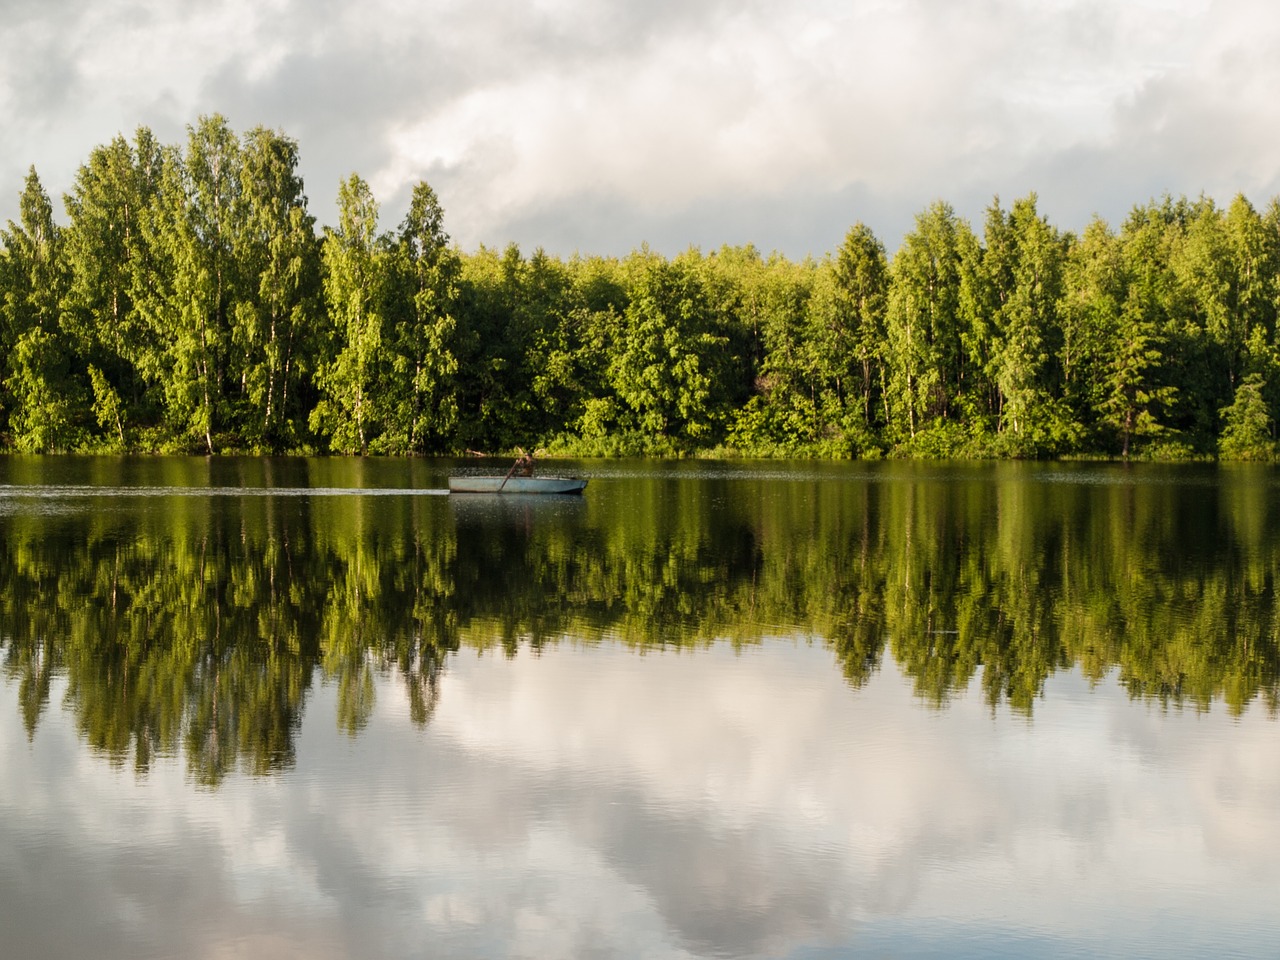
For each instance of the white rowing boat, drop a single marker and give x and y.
(491, 484)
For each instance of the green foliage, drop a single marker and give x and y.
(514, 336)
(926, 356)
(422, 394)
(850, 345)
(1133, 397)
(111, 265)
(38, 373)
(44, 416)
(355, 274)
(189, 305)
(108, 409)
(1247, 425)
(1089, 312)
(665, 371)
(1028, 290)
(274, 323)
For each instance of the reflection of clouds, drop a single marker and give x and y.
(888, 809)
(592, 802)
(96, 863)
(1231, 796)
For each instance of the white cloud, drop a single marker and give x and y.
(600, 125)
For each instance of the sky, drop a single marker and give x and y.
(595, 126)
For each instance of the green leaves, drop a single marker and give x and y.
(36, 371)
(926, 355)
(190, 306)
(1247, 424)
(274, 326)
(665, 369)
(355, 274)
(43, 419)
(422, 392)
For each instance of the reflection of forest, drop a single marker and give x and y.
(200, 624)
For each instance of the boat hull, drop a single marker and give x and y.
(558, 485)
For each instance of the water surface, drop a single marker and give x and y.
(312, 708)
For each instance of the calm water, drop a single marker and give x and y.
(315, 708)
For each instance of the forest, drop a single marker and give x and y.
(190, 303)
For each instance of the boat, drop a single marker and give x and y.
(519, 479)
(509, 484)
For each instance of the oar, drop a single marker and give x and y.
(512, 470)
(508, 476)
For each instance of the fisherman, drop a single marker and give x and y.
(524, 464)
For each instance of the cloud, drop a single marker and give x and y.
(589, 126)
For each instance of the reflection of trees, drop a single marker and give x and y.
(203, 628)
(200, 625)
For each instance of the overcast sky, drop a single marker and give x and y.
(594, 126)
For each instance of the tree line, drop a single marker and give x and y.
(190, 304)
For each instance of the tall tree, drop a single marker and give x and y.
(189, 291)
(355, 267)
(857, 331)
(107, 255)
(790, 313)
(1254, 257)
(44, 400)
(535, 350)
(925, 354)
(1029, 334)
(483, 316)
(1137, 394)
(1092, 299)
(1204, 325)
(1247, 424)
(590, 330)
(665, 368)
(424, 406)
(279, 258)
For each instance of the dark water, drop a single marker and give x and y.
(316, 708)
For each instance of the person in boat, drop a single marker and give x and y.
(524, 464)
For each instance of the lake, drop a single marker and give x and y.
(318, 708)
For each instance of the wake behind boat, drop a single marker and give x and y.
(519, 479)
